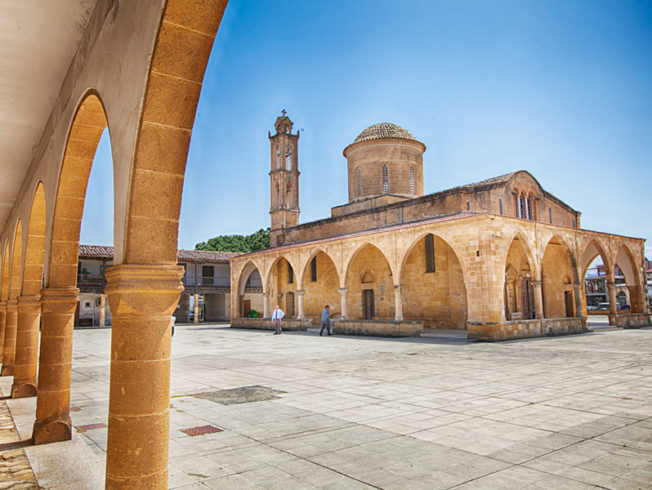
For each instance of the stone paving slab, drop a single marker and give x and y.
(354, 412)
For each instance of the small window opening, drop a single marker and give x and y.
(358, 184)
(412, 180)
(500, 203)
(313, 269)
(550, 213)
(468, 205)
(290, 274)
(430, 253)
(385, 180)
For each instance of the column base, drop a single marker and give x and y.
(46, 431)
(7, 371)
(23, 390)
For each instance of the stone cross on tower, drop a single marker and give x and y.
(284, 178)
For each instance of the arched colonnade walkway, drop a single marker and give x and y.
(138, 70)
(497, 277)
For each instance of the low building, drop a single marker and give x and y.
(206, 280)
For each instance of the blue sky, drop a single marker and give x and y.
(562, 89)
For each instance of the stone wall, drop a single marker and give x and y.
(377, 328)
(630, 320)
(521, 329)
(324, 291)
(289, 324)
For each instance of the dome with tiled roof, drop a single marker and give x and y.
(384, 130)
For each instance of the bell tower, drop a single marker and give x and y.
(284, 179)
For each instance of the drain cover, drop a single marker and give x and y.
(244, 394)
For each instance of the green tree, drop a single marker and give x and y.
(237, 243)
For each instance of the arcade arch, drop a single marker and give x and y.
(11, 318)
(29, 304)
(369, 300)
(282, 287)
(250, 285)
(435, 295)
(519, 281)
(558, 276)
(324, 289)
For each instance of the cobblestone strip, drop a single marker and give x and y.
(15, 471)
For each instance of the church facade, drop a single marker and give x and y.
(501, 258)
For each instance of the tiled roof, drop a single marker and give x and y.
(100, 251)
(384, 130)
(500, 179)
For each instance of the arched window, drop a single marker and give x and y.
(411, 180)
(385, 179)
(500, 202)
(278, 157)
(528, 209)
(550, 213)
(358, 184)
(430, 252)
(521, 206)
(278, 196)
(290, 274)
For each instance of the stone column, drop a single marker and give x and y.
(538, 299)
(343, 292)
(3, 317)
(398, 303)
(644, 302)
(9, 348)
(102, 310)
(579, 305)
(53, 398)
(613, 309)
(29, 316)
(142, 299)
(300, 315)
(196, 308)
(266, 313)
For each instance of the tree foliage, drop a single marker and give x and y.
(237, 243)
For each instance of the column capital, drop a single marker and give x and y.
(3, 303)
(611, 284)
(300, 292)
(143, 289)
(29, 299)
(11, 303)
(29, 303)
(398, 287)
(536, 284)
(343, 290)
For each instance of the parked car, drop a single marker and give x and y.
(591, 308)
(603, 306)
(623, 307)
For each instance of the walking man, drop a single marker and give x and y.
(325, 321)
(277, 315)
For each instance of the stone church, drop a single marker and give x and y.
(501, 258)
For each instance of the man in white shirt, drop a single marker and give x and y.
(277, 315)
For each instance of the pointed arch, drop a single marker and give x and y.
(281, 282)
(4, 295)
(436, 295)
(85, 132)
(325, 289)
(592, 250)
(625, 261)
(15, 275)
(369, 300)
(348, 261)
(558, 277)
(35, 249)
(520, 273)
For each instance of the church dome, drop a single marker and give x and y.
(384, 130)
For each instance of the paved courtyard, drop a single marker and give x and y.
(354, 412)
